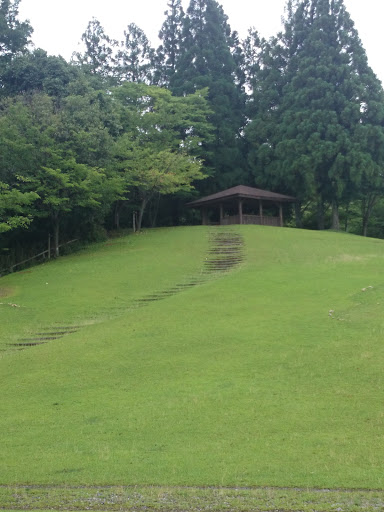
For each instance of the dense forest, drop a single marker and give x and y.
(126, 133)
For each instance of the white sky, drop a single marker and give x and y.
(58, 25)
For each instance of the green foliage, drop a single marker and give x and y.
(157, 152)
(169, 52)
(206, 61)
(99, 55)
(15, 209)
(135, 58)
(40, 142)
(14, 34)
(38, 72)
(315, 102)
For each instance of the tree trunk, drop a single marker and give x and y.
(56, 231)
(141, 213)
(117, 215)
(155, 211)
(346, 223)
(367, 207)
(320, 214)
(335, 216)
(298, 215)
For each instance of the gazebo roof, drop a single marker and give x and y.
(241, 192)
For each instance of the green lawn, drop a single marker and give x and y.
(244, 380)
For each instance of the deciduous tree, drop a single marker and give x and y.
(158, 150)
(15, 209)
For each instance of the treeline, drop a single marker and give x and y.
(125, 127)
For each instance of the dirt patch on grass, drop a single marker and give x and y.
(5, 292)
(347, 258)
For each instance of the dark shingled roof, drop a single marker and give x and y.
(241, 192)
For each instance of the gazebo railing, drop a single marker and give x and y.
(251, 219)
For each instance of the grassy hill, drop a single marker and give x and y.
(167, 369)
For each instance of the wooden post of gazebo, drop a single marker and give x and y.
(221, 213)
(240, 211)
(261, 211)
(204, 217)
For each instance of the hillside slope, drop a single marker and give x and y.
(269, 373)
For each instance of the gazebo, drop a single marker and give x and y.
(234, 203)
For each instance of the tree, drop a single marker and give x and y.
(135, 59)
(99, 56)
(250, 58)
(38, 72)
(41, 150)
(153, 172)
(14, 208)
(169, 52)
(371, 186)
(14, 34)
(314, 97)
(157, 151)
(206, 61)
(62, 189)
(87, 125)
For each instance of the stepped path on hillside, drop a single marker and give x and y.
(225, 252)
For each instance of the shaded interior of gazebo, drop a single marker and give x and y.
(242, 205)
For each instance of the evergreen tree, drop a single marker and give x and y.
(250, 52)
(99, 56)
(136, 57)
(14, 35)
(169, 52)
(314, 103)
(206, 61)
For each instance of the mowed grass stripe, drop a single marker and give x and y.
(245, 381)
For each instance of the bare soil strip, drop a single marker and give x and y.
(192, 499)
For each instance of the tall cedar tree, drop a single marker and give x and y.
(206, 61)
(169, 51)
(318, 110)
(136, 57)
(99, 56)
(14, 34)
